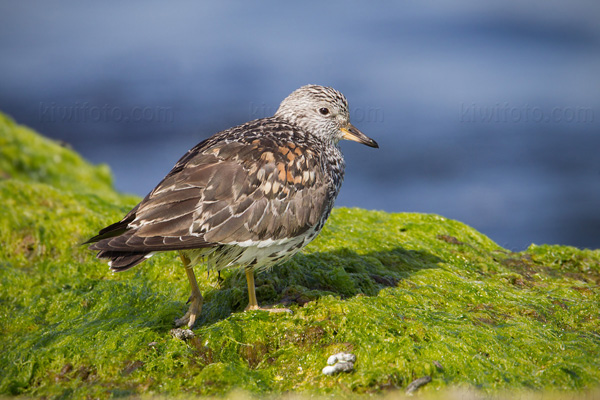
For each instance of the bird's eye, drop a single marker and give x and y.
(324, 111)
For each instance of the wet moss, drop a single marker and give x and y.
(409, 294)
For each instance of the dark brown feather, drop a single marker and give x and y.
(231, 188)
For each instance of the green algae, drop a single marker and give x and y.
(409, 294)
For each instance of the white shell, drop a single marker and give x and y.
(341, 357)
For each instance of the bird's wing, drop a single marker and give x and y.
(227, 192)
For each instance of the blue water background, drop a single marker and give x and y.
(485, 112)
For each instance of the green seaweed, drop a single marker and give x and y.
(409, 294)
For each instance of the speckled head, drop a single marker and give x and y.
(321, 111)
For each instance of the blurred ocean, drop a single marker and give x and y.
(485, 112)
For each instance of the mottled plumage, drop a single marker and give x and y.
(250, 196)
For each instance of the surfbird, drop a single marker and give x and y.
(248, 197)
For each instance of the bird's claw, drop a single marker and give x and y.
(192, 313)
(268, 309)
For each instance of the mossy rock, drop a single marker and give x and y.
(410, 295)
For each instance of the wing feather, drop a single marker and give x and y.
(226, 192)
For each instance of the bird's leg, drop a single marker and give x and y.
(252, 303)
(196, 299)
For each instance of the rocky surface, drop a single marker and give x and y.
(410, 295)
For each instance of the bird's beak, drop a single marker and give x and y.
(351, 133)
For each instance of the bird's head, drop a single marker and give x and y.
(322, 111)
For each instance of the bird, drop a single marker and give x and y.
(248, 197)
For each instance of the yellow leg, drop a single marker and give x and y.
(196, 299)
(252, 303)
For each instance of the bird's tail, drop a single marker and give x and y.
(122, 261)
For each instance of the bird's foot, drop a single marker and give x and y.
(269, 309)
(192, 314)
